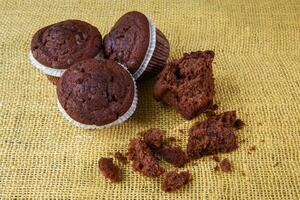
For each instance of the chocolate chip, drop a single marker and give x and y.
(35, 47)
(79, 42)
(70, 61)
(120, 55)
(34, 53)
(131, 63)
(77, 37)
(85, 36)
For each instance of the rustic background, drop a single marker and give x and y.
(257, 73)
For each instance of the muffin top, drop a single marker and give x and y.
(128, 40)
(96, 93)
(62, 44)
(187, 84)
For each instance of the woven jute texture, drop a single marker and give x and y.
(257, 73)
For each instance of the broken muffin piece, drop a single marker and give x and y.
(173, 180)
(143, 159)
(109, 170)
(154, 138)
(174, 155)
(212, 136)
(211, 141)
(187, 84)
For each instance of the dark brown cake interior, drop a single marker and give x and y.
(214, 135)
(109, 169)
(187, 84)
(154, 138)
(174, 155)
(143, 159)
(173, 180)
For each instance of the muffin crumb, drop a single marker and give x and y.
(226, 165)
(109, 170)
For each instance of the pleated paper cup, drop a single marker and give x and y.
(53, 74)
(156, 55)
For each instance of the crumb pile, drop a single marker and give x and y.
(214, 135)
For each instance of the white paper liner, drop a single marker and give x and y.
(121, 119)
(150, 50)
(51, 71)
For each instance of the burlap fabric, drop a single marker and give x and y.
(257, 73)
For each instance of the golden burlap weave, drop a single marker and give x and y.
(257, 73)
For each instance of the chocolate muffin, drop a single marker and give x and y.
(56, 47)
(96, 94)
(135, 42)
(187, 84)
